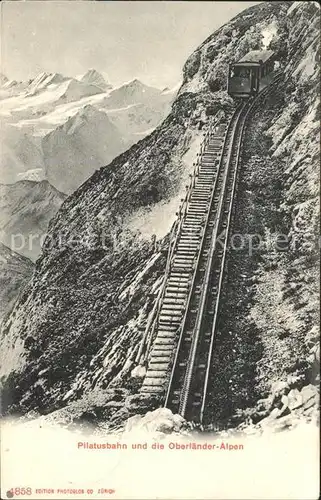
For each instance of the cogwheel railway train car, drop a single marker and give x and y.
(251, 73)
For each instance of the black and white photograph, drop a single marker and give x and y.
(159, 249)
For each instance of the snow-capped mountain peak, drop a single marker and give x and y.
(43, 80)
(135, 82)
(133, 92)
(3, 79)
(8, 84)
(35, 174)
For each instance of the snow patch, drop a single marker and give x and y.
(268, 33)
(138, 372)
(307, 65)
(158, 219)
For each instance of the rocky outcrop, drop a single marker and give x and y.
(15, 271)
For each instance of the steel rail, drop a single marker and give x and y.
(200, 314)
(196, 268)
(236, 127)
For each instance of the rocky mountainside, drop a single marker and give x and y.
(54, 125)
(26, 207)
(75, 332)
(15, 271)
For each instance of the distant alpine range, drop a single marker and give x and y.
(55, 132)
(62, 129)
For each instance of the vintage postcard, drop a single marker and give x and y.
(159, 250)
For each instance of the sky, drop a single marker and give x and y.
(148, 40)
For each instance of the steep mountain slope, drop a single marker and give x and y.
(15, 271)
(26, 207)
(76, 329)
(54, 125)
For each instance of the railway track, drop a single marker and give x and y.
(180, 359)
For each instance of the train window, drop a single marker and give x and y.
(240, 72)
(245, 72)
